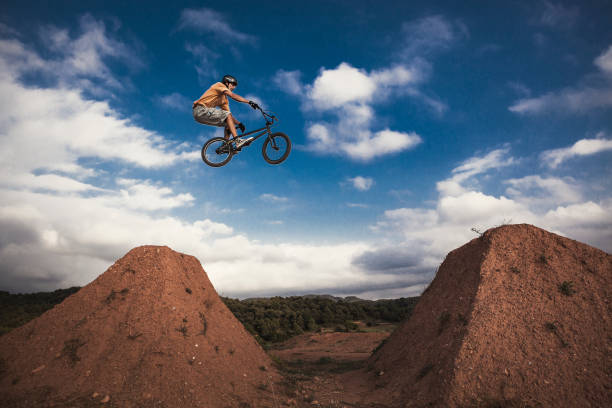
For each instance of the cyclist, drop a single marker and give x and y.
(213, 108)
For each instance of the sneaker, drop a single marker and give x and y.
(241, 142)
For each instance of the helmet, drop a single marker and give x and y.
(228, 79)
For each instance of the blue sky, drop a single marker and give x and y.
(412, 123)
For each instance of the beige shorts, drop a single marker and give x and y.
(210, 116)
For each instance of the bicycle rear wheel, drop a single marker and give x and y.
(276, 148)
(217, 152)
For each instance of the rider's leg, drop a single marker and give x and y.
(230, 124)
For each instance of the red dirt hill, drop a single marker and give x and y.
(151, 331)
(519, 317)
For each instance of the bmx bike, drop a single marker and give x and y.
(218, 151)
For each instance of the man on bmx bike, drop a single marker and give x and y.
(213, 108)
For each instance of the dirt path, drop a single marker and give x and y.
(326, 369)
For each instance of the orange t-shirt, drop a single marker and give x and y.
(214, 97)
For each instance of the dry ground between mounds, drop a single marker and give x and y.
(325, 369)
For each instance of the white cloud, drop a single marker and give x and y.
(336, 87)
(205, 61)
(208, 21)
(348, 94)
(289, 81)
(346, 85)
(371, 145)
(604, 61)
(557, 205)
(558, 15)
(49, 241)
(579, 99)
(84, 59)
(583, 147)
(357, 205)
(472, 167)
(139, 195)
(431, 34)
(361, 183)
(174, 101)
(546, 191)
(271, 198)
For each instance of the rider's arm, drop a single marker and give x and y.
(235, 97)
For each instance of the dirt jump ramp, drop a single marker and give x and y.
(518, 317)
(151, 331)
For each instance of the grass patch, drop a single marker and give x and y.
(301, 370)
(380, 345)
(70, 350)
(3, 367)
(552, 327)
(183, 330)
(424, 371)
(567, 288)
(204, 324)
(134, 336)
(111, 296)
(444, 320)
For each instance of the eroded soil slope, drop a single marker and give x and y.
(517, 317)
(150, 331)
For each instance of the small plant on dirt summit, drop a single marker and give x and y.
(567, 288)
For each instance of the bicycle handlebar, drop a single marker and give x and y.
(267, 115)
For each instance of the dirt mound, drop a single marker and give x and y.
(517, 317)
(151, 331)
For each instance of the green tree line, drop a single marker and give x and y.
(18, 309)
(279, 318)
(270, 320)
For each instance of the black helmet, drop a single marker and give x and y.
(228, 79)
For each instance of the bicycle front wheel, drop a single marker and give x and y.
(276, 148)
(217, 152)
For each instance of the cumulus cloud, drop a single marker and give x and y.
(555, 204)
(596, 93)
(345, 97)
(347, 85)
(348, 93)
(463, 174)
(361, 183)
(138, 195)
(584, 147)
(544, 191)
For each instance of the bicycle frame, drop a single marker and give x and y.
(269, 123)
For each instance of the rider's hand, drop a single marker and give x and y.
(241, 127)
(253, 105)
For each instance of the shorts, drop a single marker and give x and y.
(210, 116)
